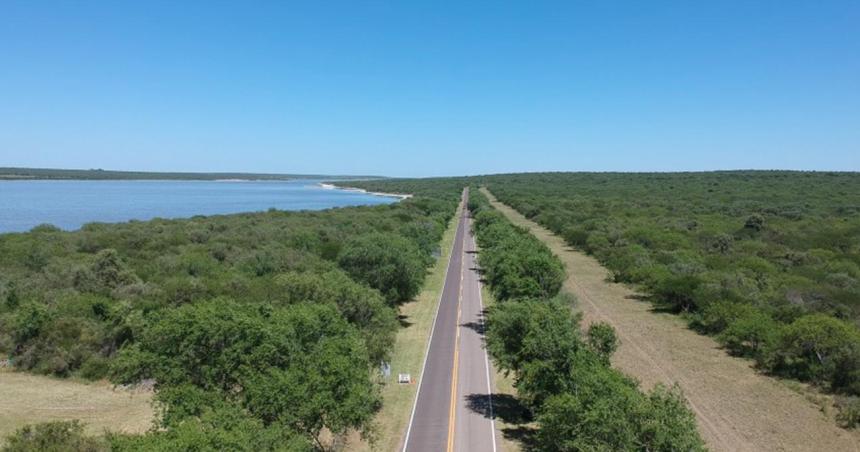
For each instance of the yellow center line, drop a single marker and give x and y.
(452, 414)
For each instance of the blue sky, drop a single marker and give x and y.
(430, 88)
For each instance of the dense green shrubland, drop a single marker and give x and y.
(258, 329)
(580, 402)
(769, 262)
(515, 263)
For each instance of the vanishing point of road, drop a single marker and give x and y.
(453, 409)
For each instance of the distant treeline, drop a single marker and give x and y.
(261, 331)
(100, 174)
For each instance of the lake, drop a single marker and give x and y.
(70, 204)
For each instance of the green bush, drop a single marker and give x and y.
(849, 411)
(716, 317)
(95, 368)
(678, 292)
(386, 262)
(214, 429)
(513, 329)
(821, 349)
(602, 340)
(60, 436)
(754, 222)
(360, 305)
(751, 333)
(589, 421)
(576, 237)
(107, 272)
(608, 413)
(29, 321)
(668, 424)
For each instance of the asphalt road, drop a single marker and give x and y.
(453, 407)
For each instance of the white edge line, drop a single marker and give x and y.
(487, 365)
(462, 209)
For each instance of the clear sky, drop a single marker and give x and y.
(430, 88)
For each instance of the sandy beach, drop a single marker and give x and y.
(361, 190)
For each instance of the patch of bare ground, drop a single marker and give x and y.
(28, 399)
(737, 408)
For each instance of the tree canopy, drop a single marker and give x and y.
(259, 330)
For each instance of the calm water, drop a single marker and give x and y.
(71, 204)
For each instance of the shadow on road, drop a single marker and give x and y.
(474, 326)
(506, 408)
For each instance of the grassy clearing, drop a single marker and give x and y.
(416, 319)
(737, 408)
(28, 399)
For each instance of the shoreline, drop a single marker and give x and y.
(400, 196)
(121, 206)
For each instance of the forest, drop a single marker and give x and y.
(260, 331)
(766, 261)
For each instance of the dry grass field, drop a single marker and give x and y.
(737, 408)
(27, 399)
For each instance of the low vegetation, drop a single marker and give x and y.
(260, 331)
(564, 379)
(59, 436)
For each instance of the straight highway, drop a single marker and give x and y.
(453, 407)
